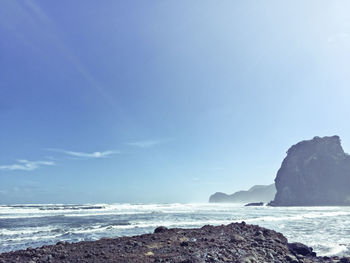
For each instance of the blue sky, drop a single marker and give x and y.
(164, 101)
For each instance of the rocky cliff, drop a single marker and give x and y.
(258, 193)
(315, 172)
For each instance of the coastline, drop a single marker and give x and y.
(236, 242)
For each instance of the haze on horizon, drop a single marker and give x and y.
(164, 101)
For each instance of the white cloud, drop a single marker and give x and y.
(146, 143)
(86, 155)
(25, 165)
(91, 155)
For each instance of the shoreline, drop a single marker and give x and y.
(236, 242)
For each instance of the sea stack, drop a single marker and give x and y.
(315, 172)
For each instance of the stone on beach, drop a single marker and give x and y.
(236, 242)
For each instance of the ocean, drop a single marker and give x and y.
(326, 229)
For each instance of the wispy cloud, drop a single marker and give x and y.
(146, 143)
(84, 155)
(25, 165)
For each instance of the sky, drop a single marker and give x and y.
(164, 101)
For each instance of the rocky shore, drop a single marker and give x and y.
(236, 242)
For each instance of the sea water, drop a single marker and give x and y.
(326, 229)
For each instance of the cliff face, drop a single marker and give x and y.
(315, 172)
(258, 193)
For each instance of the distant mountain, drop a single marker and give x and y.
(258, 193)
(315, 172)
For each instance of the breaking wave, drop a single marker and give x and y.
(21, 226)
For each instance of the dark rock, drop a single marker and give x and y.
(184, 244)
(236, 238)
(255, 204)
(315, 172)
(291, 258)
(160, 229)
(257, 193)
(299, 248)
(62, 256)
